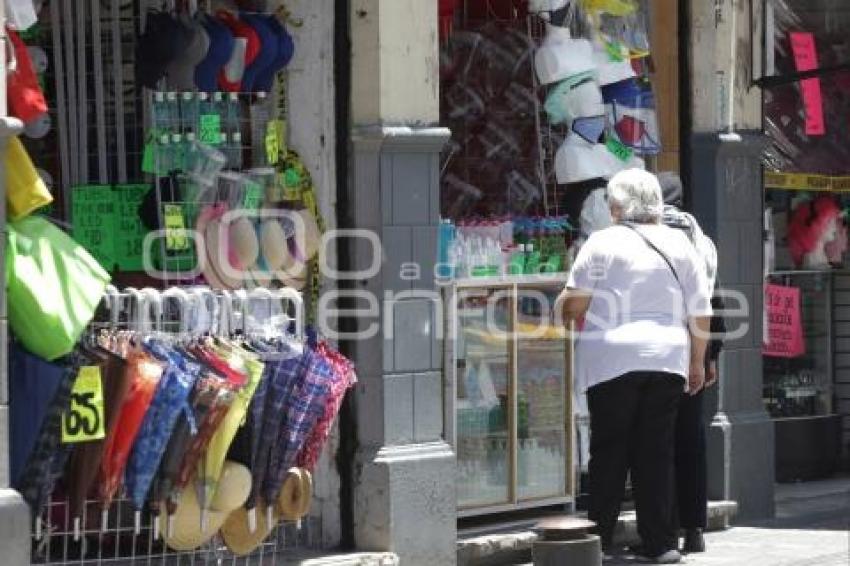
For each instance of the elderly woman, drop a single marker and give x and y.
(642, 293)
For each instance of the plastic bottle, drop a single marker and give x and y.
(517, 263)
(532, 262)
(445, 239)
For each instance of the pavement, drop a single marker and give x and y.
(811, 528)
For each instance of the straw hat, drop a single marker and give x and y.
(273, 245)
(187, 532)
(308, 237)
(244, 242)
(220, 257)
(295, 497)
(236, 531)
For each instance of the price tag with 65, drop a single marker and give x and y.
(84, 421)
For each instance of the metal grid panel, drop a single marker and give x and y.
(54, 542)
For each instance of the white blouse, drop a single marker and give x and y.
(638, 314)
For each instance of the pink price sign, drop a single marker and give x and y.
(806, 59)
(784, 322)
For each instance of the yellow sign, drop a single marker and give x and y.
(806, 182)
(175, 227)
(85, 420)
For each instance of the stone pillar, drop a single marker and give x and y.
(727, 190)
(725, 184)
(14, 513)
(404, 473)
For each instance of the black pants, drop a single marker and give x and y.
(691, 499)
(632, 420)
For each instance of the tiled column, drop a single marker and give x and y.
(727, 190)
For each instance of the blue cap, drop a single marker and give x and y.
(286, 49)
(218, 54)
(629, 93)
(268, 50)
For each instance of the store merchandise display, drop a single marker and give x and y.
(165, 421)
(129, 430)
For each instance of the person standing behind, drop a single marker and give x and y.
(642, 292)
(690, 459)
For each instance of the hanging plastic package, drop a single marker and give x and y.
(631, 111)
(53, 286)
(26, 100)
(25, 189)
(20, 14)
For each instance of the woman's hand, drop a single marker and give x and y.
(711, 374)
(696, 377)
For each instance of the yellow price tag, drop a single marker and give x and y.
(272, 142)
(309, 199)
(85, 420)
(175, 226)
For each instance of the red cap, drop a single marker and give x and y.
(240, 30)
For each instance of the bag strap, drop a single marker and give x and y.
(657, 250)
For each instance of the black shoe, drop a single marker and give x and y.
(694, 541)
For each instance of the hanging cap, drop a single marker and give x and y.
(577, 160)
(246, 47)
(26, 101)
(561, 57)
(218, 54)
(181, 71)
(163, 40)
(266, 55)
(286, 49)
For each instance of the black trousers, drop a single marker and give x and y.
(691, 499)
(632, 421)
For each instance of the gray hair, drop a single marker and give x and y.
(637, 193)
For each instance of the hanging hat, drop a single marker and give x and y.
(187, 532)
(26, 101)
(246, 47)
(285, 51)
(218, 54)
(266, 54)
(25, 190)
(221, 258)
(237, 530)
(295, 495)
(273, 245)
(633, 116)
(294, 276)
(244, 242)
(308, 237)
(163, 40)
(181, 71)
(561, 57)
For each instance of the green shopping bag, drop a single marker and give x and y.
(53, 286)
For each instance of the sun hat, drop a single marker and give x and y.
(246, 47)
(163, 39)
(285, 52)
(181, 71)
(218, 54)
(307, 234)
(295, 497)
(560, 56)
(266, 54)
(237, 531)
(25, 189)
(190, 528)
(273, 245)
(244, 242)
(221, 259)
(574, 97)
(26, 100)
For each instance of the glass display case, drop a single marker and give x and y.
(509, 375)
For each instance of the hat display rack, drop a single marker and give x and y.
(176, 316)
(136, 144)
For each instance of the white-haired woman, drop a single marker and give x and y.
(641, 291)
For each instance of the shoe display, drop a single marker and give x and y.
(694, 541)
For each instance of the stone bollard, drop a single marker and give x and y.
(565, 540)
